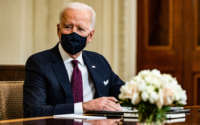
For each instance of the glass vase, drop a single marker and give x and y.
(150, 114)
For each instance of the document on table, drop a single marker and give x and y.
(177, 120)
(79, 116)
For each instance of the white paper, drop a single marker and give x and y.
(177, 115)
(129, 109)
(168, 116)
(79, 116)
(178, 120)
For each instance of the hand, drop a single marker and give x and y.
(104, 122)
(102, 104)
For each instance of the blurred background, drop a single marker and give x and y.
(29, 26)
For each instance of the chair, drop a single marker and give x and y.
(11, 99)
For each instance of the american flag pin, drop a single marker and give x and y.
(93, 67)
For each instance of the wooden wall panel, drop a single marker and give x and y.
(191, 49)
(169, 40)
(156, 36)
(196, 90)
(158, 22)
(12, 72)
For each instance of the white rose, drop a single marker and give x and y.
(128, 90)
(142, 86)
(160, 101)
(152, 86)
(153, 97)
(182, 98)
(144, 73)
(135, 99)
(145, 96)
(156, 73)
(168, 96)
(157, 83)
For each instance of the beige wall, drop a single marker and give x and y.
(29, 26)
(15, 31)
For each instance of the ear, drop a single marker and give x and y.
(58, 29)
(90, 36)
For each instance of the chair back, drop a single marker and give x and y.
(11, 99)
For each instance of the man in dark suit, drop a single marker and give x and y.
(66, 79)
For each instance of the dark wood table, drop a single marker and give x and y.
(193, 118)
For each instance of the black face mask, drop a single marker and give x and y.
(73, 43)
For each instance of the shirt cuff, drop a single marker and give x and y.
(78, 108)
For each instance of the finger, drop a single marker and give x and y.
(113, 106)
(108, 108)
(117, 107)
(112, 99)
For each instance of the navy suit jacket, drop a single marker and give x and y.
(47, 90)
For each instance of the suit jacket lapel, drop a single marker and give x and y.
(61, 73)
(93, 72)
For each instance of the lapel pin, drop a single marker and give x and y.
(93, 67)
(106, 82)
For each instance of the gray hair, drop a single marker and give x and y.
(80, 6)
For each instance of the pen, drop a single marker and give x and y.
(118, 102)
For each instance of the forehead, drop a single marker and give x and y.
(76, 16)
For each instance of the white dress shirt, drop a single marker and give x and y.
(88, 85)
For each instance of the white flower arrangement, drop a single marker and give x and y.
(153, 87)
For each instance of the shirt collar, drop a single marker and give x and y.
(66, 58)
